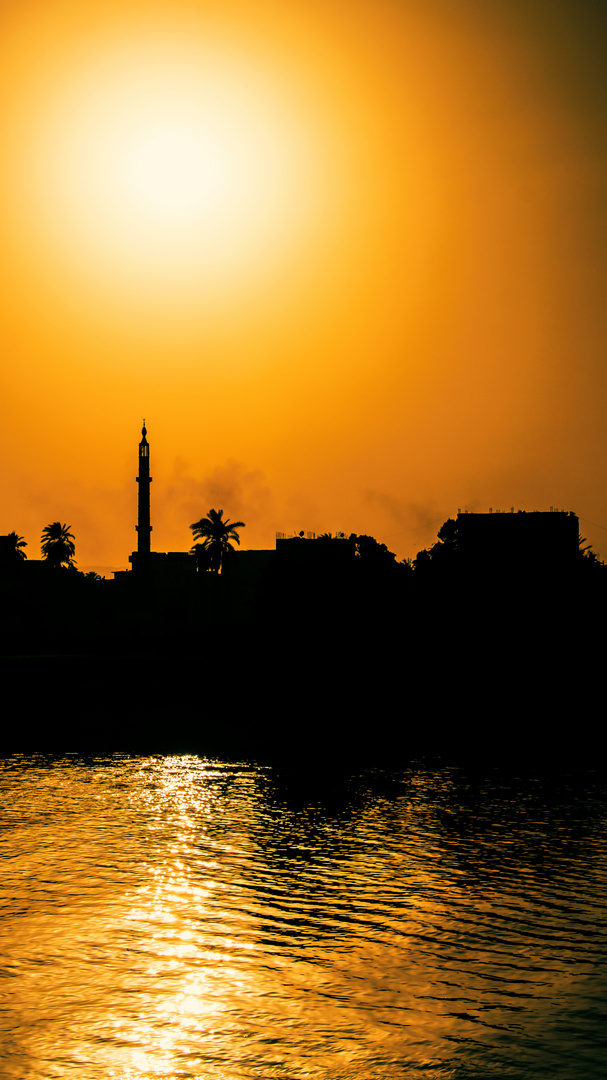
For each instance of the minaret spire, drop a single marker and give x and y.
(144, 480)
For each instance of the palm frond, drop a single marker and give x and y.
(16, 544)
(216, 536)
(57, 544)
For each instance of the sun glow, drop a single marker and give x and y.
(156, 164)
(195, 178)
(342, 256)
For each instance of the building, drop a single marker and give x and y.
(533, 544)
(168, 566)
(144, 480)
(313, 555)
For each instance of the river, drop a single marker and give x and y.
(178, 916)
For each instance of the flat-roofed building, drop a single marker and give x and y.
(535, 542)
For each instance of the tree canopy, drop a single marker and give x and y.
(57, 544)
(216, 537)
(15, 545)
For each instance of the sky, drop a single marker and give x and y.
(347, 259)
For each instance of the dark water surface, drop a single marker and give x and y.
(184, 917)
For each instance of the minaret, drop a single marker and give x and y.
(144, 480)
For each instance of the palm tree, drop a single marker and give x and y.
(215, 536)
(58, 546)
(15, 545)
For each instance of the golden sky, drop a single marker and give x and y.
(347, 259)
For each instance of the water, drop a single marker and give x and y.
(180, 917)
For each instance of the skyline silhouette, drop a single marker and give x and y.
(483, 542)
(333, 627)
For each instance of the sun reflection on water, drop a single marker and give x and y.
(181, 917)
(187, 912)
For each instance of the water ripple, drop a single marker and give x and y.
(179, 917)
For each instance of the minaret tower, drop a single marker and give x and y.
(144, 480)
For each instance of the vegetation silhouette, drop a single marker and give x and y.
(587, 556)
(513, 564)
(442, 554)
(57, 545)
(331, 649)
(216, 536)
(14, 547)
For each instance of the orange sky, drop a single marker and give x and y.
(347, 259)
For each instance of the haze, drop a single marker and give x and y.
(348, 260)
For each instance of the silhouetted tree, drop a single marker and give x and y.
(58, 546)
(11, 554)
(422, 561)
(587, 557)
(15, 545)
(216, 536)
(203, 556)
(442, 553)
(372, 553)
(447, 534)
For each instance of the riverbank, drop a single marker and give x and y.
(335, 697)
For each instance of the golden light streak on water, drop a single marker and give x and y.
(179, 917)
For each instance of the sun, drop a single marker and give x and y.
(187, 175)
(172, 174)
(207, 158)
(168, 163)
